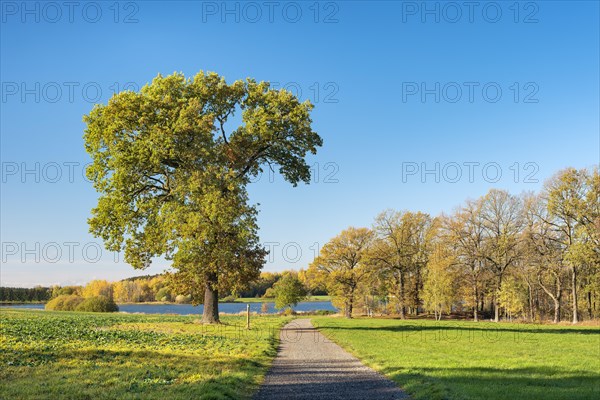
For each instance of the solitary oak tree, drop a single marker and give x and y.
(172, 175)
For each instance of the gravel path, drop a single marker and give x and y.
(309, 366)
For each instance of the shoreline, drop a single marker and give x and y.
(314, 299)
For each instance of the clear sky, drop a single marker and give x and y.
(462, 90)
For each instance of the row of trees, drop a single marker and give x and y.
(532, 255)
(138, 290)
(25, 295)
(161, 288)
(132, 290)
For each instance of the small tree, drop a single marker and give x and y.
(289, 291)
(439, 289)
(511, 296)
(264, 308)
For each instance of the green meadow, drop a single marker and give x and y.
(47, 354)
(465, 360)
(68, 355)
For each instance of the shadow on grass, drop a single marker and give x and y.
(433, 381)
(339, 380)
(411, 326)
(543, 383)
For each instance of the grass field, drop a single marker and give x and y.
(263, 300)
(463, 360)
(51, 355)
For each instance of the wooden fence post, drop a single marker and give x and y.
(248, 316)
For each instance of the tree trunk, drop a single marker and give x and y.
(556, 310)
(416, 298)
(540, 312)
(496, 309)
(555, 297)
(589, 305)
(475, 301)
(530, 293)
(574, 294)
(497, 300)
(401, 296)
(349, 306)
(211, 302)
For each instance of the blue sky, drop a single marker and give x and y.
(398, 87)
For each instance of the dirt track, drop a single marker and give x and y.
(309, 366)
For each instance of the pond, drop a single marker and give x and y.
(185, 309)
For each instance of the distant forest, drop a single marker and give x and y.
(139, 289)
(37, 294)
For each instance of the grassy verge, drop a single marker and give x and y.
(263, 300)
(462, 360)
(107, 356)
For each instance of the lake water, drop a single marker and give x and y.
(185, 309)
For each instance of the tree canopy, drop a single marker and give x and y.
(172, 168)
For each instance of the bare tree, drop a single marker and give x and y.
(502, 215)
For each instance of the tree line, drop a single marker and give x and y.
(140, 289)
(37, 294)
(533, 256)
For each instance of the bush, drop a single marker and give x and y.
(97, 304)
(181, 299)
(64, 303)
(323, 312)
(289, 312)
